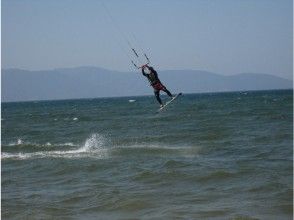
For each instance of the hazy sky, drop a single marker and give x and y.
(226, 37)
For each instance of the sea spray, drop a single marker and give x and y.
(92, 147)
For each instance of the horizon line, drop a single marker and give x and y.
(151, 95)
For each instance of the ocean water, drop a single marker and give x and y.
(207, 156)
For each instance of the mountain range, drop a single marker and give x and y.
(92, 82)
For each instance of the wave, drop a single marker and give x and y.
(156, 149)
(96, 145)
(21, 142)
(217, 176)
(93, 147)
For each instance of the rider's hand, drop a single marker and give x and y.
(144, 66)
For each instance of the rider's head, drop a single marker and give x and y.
(151, 68)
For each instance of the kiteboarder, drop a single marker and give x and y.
(152, 76)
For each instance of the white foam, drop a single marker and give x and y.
(21, 142)
(18, 142)
(67, 144)
(93, 147)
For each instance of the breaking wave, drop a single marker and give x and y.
(93, 147)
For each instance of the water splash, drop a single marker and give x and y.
(93, 147)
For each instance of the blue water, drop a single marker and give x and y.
(207, 156)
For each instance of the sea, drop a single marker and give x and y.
(205, 156)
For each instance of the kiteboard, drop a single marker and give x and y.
(168, 102)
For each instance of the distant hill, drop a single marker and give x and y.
(89, 82)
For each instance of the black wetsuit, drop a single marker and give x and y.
(155, 83)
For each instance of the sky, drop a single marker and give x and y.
(226, 37)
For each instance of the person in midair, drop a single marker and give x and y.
(152, 77)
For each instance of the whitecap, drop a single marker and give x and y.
(67, 144)
(20, 142)
(93, 147)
